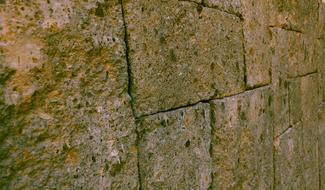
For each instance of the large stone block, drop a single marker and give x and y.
(242, 141)
(182, 53)
(174, 149)
(65, 116)
(255, 19)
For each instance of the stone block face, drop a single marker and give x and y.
(304, 99)
(242, 141)
(174, 149)
(65, 116)
(191, 53)
(255, 19)
(296, 15)
(289, 154)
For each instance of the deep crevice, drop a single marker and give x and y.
(129, 89)
(303, 75)
(202, 101)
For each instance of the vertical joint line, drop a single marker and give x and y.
(244, 57)
(129, 89)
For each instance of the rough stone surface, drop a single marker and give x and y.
(242, 137)
(182, 53)
(296, 15)
(162, 94)
(174, 149)
(321, 145)
(255, 19)
(65, 117)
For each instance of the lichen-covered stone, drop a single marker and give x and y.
(174, 149)
(242, 141)
(65, 116)
(181, 53)
(297, 15)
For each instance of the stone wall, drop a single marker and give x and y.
(157, 94)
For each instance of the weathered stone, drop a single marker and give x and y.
(280, 97)
(65, 116)
(242, 141)
(230, 6)
(289, 168)
(321, 145)
(255, 16)
(174, 149)
(191, 53)
(296, 15)
(304, 99)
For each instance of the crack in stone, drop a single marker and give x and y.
(202, 101)
(287, 28)
(203, 4)
(304, 75)
(129, 89)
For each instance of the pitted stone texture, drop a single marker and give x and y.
(299, 15)
(182, 53)
(65, 116)
(174, 149)
(242, 141)
(257, 37)
(304, 99)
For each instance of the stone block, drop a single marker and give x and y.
(289, 168)
(174, 149)
(242, 141)
(304, 99)
(181, 53)
(65, 116)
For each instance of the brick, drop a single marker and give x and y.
(242, 141)
(174, 149)
(191, 53)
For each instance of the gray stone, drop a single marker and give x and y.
(242, 141)
(182, 53)
(174, 149)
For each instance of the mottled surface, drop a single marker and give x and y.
(242, 137)
(64, 109)
(158, 94)
(174, 149)
(182, 53)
